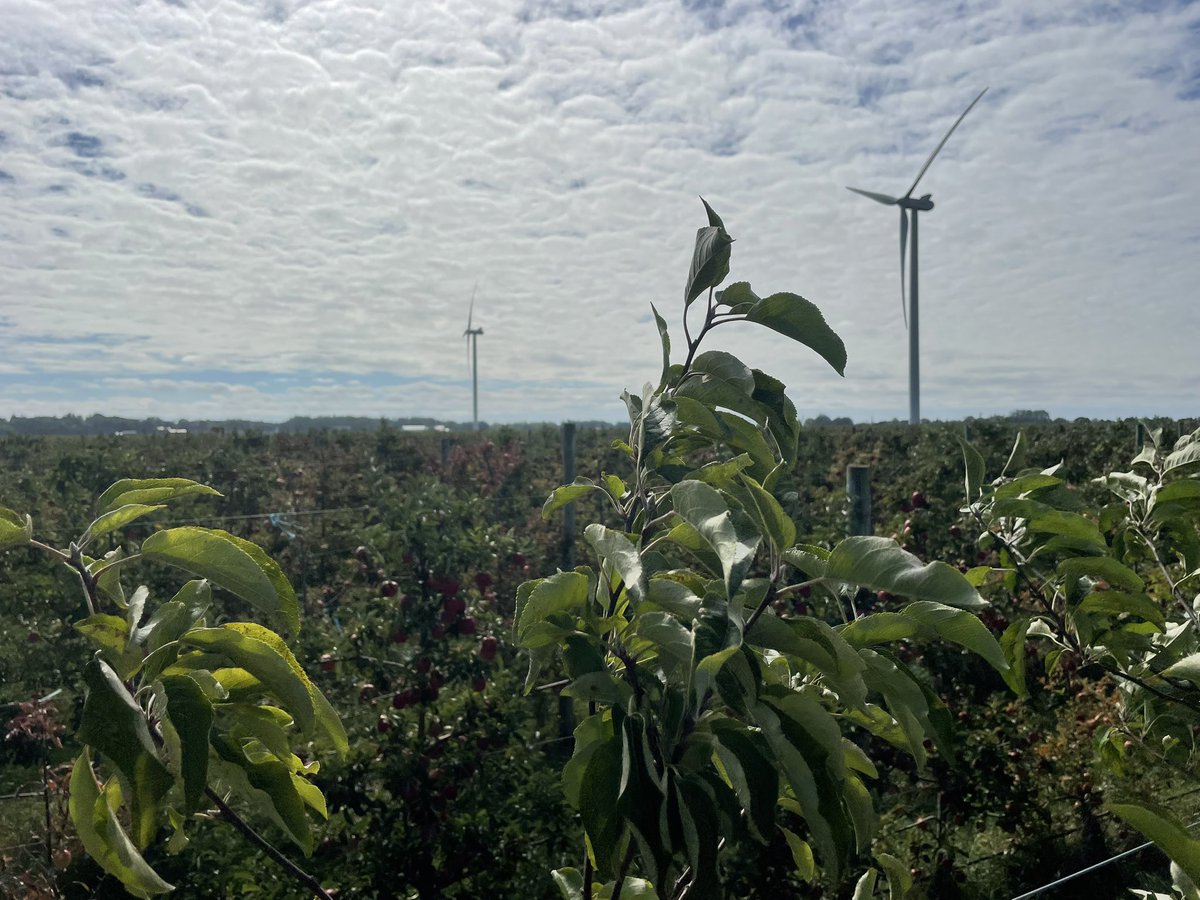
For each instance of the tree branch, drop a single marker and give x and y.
(266, 846)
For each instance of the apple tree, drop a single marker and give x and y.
(715, 714)
(188, 707)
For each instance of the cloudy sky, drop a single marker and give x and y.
(266, 208)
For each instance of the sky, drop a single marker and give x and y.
(267, 208)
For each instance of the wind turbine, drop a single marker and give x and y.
(910, 309)
(472, 336)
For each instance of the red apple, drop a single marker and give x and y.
(328, 663)
(389, 588)
(483, 581)
(467, 626)
(366, 692)
(399, 636)
(362, 554)
(436, 679)
(487, 648)
(917, 500)
(423, 665)
(384, 725)
(406, 603)
(478, 683)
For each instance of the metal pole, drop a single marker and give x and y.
(858, 487)
(474, 382)
(914, 363)
(566, 706)
(568, 538)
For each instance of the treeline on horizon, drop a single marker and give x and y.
(98, 425)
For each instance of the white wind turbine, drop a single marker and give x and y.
(472, 336)
(911, 310)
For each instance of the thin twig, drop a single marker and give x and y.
(625, 863)
(266, 846)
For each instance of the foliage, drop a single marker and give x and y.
(180, 714)
(711, 719)
(1113, 589)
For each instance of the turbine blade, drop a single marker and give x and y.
(471, 308)
(938, 148)
(903, 246)
(878, 198)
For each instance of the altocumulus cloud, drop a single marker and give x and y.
(276, 208)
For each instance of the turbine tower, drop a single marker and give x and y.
(472, 336)
(910, 308)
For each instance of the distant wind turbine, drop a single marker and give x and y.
(472, 336)
(910, 309)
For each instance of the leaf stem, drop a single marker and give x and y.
(266, 846)
(625, 863)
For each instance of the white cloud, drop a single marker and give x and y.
(219, 188)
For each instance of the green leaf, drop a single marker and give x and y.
(719, 379)
(670, 638)
(802, 855)
(881, 565)
(710, 262)
(1187, 668)
(567, 493)
(794, 317)
(110, 635)
(864, 889)
(14, 530)
(618, 551)
(115, 725)
(600, 787)
(1116, 603)
(569, 882)
(191, 716)
(751, 776)
(899, 878)
(880, 628)
(713, 218)
(117, 518)
(703, 508)
(781, 413)
(149, 491)
(806, 743)
(278, 671)
(766, 513)
(1026, 485)
(738, 297)
(173, 618)
(958, 627)
(102, 836)
(269, 786)
(861, 808)
(1161, 826)
(237, 565)
(560, 593)
(818, 645)
(1115, 573)
(1185, 455)
(664, 335)
(602, 687)
(1012, 642)
(1016, 458)
(1069, 525)
(974, 467)
(905, 701)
